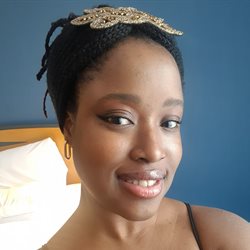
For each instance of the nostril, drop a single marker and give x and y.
(147, 155)
(141, 159)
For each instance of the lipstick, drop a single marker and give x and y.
(143, 184)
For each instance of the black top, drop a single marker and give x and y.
(193, 226)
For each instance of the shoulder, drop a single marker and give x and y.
(222, 228)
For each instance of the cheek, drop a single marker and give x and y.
(98, 154)
(174, 146)
(173, 158)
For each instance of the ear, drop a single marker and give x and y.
(68, 128)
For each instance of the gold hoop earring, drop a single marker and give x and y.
(67, 150)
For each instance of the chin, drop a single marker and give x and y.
(139, 210)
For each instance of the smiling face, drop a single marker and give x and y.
(125, 133)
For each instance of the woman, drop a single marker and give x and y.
(115, 77)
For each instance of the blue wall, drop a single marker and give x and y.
(215, 167)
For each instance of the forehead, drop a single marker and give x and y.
(133, 52)
(137, 66)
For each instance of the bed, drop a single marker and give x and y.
(39, 188)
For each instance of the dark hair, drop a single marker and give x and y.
(78, 49)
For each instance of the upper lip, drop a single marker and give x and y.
(154, 174)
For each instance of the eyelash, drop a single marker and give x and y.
(118, 121)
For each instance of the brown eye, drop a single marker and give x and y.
(117, 120)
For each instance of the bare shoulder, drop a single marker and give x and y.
(221, 228)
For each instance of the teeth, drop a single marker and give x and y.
(129, 181)
(151, 183)
(135, 182)
(142, 183)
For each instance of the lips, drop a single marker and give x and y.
(144, 175)
(143, 184)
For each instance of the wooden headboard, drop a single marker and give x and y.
(10, 138)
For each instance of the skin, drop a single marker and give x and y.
(127, 122)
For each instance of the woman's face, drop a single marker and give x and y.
(125, 134)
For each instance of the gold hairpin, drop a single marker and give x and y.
(101, 18)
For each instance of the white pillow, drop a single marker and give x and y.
(39, 161)
(18, 200)
(31, 200)
(29, 234)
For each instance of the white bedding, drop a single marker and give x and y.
(31, 231)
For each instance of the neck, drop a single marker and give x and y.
(106, 223)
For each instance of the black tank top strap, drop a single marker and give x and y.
(193, 226)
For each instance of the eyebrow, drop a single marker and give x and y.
(173, 102)
(122, 97)
(137, 100)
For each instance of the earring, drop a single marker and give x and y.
(67, 150)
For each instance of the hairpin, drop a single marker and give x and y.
(105, 17)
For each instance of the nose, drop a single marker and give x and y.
(148, 147)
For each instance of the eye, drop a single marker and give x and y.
(171, 124)
(116, 120)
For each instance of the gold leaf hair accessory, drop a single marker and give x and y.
(101, 18)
